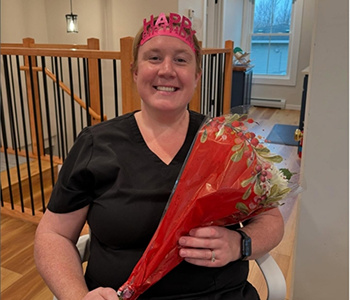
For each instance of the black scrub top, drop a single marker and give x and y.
(127, 186)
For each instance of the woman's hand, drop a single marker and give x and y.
(211, 246)
(102, 294)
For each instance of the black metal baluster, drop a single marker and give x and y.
(5, 146)
(37, 138)
(101, 90)
(211, 72)
(56, 109)
(115, 87)
(39, 101)
(203, 89)
(72, 97)
(25, 134)
(12, 126)
(15, 106)
(48, 119)
(64, 111)
(220, 87)
(87, 93)
(80, 95)
(59, 109)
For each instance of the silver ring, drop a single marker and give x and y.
(212, 256)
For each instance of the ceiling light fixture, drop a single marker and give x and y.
(72, 21)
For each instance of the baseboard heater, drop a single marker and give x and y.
(266, 102)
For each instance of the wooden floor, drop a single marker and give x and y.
(20, 280)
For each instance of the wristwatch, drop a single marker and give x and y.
(246, 248)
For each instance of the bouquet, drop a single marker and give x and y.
(229, 176)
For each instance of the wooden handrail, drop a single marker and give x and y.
(67, 90)
(81, 53)
(215, 50)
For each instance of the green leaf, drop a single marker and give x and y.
(262, 150)
(284, 191)
(274, 190)
(243, 117)
(257, 189)
(272, 158)
(273, 199)
(220, 132)
(247, 193)
(242, 208)
(237, 147)
(204, 136)
(233, 117)
(244, 183)
(237, 156)
(287, 173)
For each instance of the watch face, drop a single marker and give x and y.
(246, 248)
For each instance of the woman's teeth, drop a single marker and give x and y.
(166, 88)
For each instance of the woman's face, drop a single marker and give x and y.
(166, 74)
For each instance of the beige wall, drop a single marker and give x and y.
(21, 18)
(107, 20)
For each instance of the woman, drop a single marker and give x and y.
(118, 176)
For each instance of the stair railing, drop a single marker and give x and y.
(41, 122)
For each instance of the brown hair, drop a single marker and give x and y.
(136, 44)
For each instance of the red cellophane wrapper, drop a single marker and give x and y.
(229, 176)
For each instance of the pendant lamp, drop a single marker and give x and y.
(72, 21)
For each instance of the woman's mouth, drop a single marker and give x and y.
(166, 88)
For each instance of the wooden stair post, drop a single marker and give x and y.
(94, 84)
(33, 101)
(130, 97)
(228, 77)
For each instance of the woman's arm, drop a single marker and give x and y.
(266, 231)
(56, 255)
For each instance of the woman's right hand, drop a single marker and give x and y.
(102, 294)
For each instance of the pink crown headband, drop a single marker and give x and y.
(176, 27)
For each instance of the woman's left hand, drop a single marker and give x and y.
(211, 246)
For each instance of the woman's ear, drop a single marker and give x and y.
(134, 74)
(198, 75)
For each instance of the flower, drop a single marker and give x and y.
(229, 176)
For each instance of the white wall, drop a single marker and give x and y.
(322, 259)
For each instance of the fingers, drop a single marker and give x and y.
(102, 294)
(206, 232)
(201, 257)
(210, 246)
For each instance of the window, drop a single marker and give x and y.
(271, 34)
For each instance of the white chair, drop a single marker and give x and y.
(275, 281)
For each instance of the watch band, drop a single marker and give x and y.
(246, 246)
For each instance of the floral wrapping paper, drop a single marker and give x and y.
(229, 176)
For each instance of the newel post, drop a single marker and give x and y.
(94, 85)
(35, 117)
(228, 77)
(130, 97)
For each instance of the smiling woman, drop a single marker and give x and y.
(125, 168)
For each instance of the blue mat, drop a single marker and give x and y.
(282, 134)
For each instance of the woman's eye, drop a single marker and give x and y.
(180, 60)
(154, 58)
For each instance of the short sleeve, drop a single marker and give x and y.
(74, 187)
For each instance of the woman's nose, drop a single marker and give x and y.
(167, 68)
